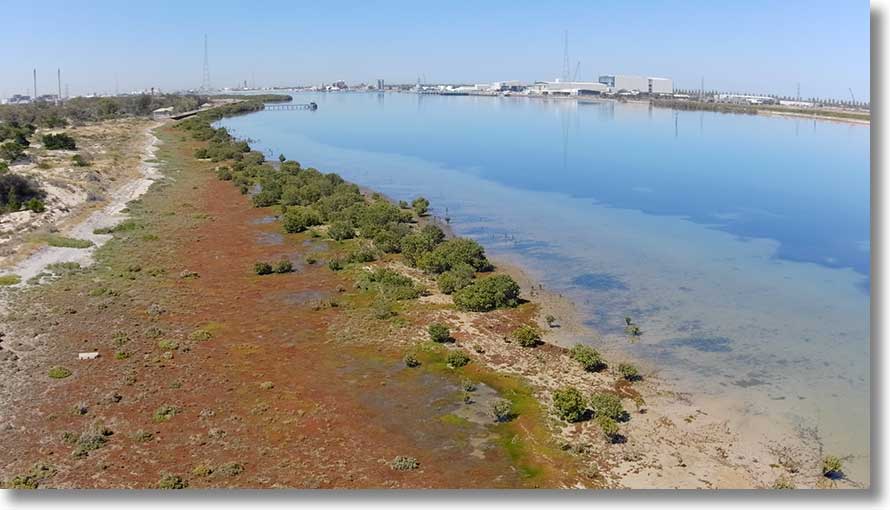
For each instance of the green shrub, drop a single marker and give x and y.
(58, 372)
(11, 151)
(526, 336)
(411, 361)
(832, 467)
(172, 482)
(341, 230)
(35, 205)
(414, 246)
(609, 427)
(457, 359)
(438, 332)
(453, 253)
(335, 264)
(568, 404)
(388, 283)
(67, 242)
(262, 268)
(403, 463)
(628, 372)
(487, 294)
(361, 254)
(60, 141)
(502, 410)
(607, 404)
(551, 320)
(31, 480)
(383, 308)
(168, 345)
(298, 219)
(93, 438)
(79, 160)
(164, 413)
(284, 266)
(588, 357)
(420, 206)
(456, 279)
(200, 335)
(10, 279)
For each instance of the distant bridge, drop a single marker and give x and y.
(291, 106)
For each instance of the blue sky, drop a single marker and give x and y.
(751, 45)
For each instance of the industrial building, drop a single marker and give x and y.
(569, 88)
(642, 84)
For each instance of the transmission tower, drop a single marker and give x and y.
(565, 58)
(205, 82)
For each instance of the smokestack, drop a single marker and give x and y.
(59, 75)
(35, 84)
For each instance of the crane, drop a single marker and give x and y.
(852, 96)
(577, 68)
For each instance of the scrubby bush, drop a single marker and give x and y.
(388, 283)
(609, 427)
(457, 359)
(487, 294)
(832, 467)
(550, 320)
(607, 404)
(628, 372)
(284, 266)
(362, 254)
(262, 268)
(588, 357)
(502, 410)
(60, 141)
(456, 279)
(420, 206)
(403, 463)
(164, 413)
(298, 218)
(411, 361)
(79, 160)
(383, 308)
(415, 245)
(35, 205)
(172, 482)
(16, 190)
(453, 253)
(438, 332)
(335, 264)
(526, 336)
(568, 404)
(59, 372)
(11, 151)
(341, 230)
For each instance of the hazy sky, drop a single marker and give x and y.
(747, 45)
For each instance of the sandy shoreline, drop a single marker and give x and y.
(674, 441)
(33, 264)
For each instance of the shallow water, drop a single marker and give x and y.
(739, 244)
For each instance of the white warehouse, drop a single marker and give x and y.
(642, 84)
(569, 88)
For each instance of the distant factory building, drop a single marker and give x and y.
(507, 86)
(642, 84)
(744, 99)
(569, 88)
(380, 85)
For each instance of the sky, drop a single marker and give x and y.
(742, 46)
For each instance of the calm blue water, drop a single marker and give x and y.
(740, 244)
